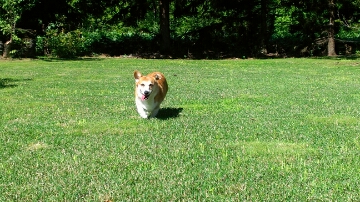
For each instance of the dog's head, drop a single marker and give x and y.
(145, 85)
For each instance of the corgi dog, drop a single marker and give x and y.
(150, 91)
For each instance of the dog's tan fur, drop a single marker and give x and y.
(150, 91)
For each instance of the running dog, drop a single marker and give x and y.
(150, 91)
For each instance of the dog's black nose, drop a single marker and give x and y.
(146, 93)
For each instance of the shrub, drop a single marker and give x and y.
(79, 43)
(118, 43)
(62, 44)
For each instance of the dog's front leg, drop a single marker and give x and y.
(155, 111)
(143, 113)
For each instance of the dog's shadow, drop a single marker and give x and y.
(168, 113)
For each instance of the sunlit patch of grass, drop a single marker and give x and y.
(265, 148)
(334, 120)
(37, 146)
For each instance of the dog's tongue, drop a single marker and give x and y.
(143, 97)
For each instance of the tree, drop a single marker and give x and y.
(210, 28)
(331, 30)
(316, 22)
(263, 28)
(164, 26)
(10, 14)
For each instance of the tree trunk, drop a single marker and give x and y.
(7, 48)
(263, 28)
(331, 32)
(1, 48)
(164, 26)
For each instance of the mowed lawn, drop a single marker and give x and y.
(229, 130)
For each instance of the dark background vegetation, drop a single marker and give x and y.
(211, 29)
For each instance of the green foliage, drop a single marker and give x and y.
(203, 28)
(10, 14)
(81, 42)
(40, 45)
(63, 44)
(351, 33)
(18, 47)
(119, 42)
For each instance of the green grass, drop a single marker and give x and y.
(229, 130)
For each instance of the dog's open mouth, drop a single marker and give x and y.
(145, 97)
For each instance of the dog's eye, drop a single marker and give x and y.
(142, 84)
(151, 85)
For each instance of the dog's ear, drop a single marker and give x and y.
(137, 75)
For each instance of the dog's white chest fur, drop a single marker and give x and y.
(147, 108)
